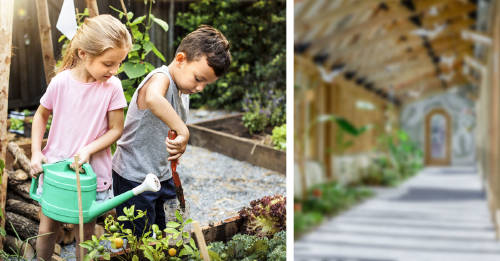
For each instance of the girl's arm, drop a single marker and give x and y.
(152, 96)
(115, 129)
(37, 131)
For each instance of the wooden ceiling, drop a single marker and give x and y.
(400, 49)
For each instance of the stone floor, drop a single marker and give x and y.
(440, 214)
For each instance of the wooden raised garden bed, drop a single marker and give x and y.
(228, 136)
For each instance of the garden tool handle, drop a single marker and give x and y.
(172, 135)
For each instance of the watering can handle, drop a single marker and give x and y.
(33, 188)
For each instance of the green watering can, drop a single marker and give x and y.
(59, 199)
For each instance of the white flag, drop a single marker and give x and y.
(66, 23)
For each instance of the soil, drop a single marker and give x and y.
(234, 126)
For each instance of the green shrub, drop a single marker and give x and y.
(258, 71)
(254, 121)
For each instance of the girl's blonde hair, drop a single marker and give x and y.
(95, 36)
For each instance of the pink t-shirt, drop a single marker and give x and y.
(79, 116)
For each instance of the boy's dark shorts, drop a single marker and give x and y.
(152, 202)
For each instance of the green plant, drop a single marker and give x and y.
(17, 253)
(250, 247)
(258, 71)
(345, 127)
(303, 221)
(49, 123)
(279, 137)
(325, 199)
(146, 247)
(136, 68)
(254, 120)
(265, 216)
(16, 124)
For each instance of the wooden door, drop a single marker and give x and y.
(437, 138)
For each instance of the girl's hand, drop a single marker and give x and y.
(176, 147)
(83, 157)
(37, 159)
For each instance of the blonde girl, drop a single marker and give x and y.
(86, 101)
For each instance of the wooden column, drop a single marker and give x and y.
(46, 39)
(92, 6)
(495, 120)
(6, 16)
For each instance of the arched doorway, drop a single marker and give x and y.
(437, 137)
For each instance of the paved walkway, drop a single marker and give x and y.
(441, 214)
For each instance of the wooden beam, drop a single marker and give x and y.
(6, 18)
(474, 63)
(476, 37)
(451, 11)
(92, 6)
(49, 61)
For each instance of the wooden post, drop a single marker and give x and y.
(6, 16)
(92, 6)
(80, 212)
(201, 241)
(171, 22)
(495, 108)
(46, 39)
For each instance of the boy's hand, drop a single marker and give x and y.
(176, 146)
(36, 163)
(83, 157)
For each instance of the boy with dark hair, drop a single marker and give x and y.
(161, 103)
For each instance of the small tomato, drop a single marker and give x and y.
(116, 243)
(172, 252)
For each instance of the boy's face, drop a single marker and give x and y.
(193, 76)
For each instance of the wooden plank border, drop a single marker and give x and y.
(236, 147)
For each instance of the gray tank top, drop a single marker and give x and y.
(141, 149)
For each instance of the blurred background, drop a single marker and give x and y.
(396, 129)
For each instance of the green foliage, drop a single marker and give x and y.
(254, 121)
(325, 199)
(344, 127)
(16, 124)
(250, 247)
(136, 68)
(399, 159)
(17, 253)
(147, 246)
(279, 137)
(258, 71)
(303, 221)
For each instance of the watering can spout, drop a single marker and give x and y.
(151, 183)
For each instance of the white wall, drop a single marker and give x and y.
(461, 110)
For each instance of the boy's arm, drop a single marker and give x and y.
(152, 96)
(37, 130)
(115, 129)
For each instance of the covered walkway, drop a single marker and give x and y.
(439, 214)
